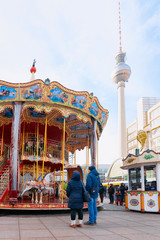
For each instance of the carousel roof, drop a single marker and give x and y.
(41, 99)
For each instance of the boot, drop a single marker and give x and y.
(73, 223)
(79, 223)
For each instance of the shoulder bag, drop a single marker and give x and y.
(86, 195)
(94, 189)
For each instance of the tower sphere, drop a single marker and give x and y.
(122, 71)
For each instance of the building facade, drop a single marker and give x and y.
(148, 121)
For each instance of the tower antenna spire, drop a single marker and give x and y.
(120, 76)
(119, 16)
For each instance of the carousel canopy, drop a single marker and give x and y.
(52, 100)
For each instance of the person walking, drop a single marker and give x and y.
(75, 193)
(118, 197)
(92, 186)
(111, 193)
(101, 192)
(122, 190)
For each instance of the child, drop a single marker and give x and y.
(118, 197)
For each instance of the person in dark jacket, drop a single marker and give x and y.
(75, 194)
(122, 190)
(101, 192)
(118, 197)
(111, 193)
(92, 186)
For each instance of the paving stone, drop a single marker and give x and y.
(35, 233)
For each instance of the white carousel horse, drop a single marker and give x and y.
(35, 187)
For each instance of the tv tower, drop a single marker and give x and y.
(121, 75)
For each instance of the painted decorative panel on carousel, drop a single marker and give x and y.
(151, 201)
(58, 96)
(134, 201)
(7, 93)
(32, 93)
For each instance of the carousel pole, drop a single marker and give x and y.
(75, 157)
(34, 171)
(14, 159)
(97, 155)
(23, 173)
(45, 146)
(87, 156)
(23, 139)
(93, 142)
(2, 140)
(54, 177)
(60, 179)
(63, 151)
(37, 150)
(88, 153)
(72, 158)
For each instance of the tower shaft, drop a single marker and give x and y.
(121, 120)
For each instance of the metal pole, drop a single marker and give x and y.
(63, 151)
(2, 140)
(37, 150)
(45, 146)
(97, 155)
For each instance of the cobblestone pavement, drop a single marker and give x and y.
(111, 207)
(113, 223)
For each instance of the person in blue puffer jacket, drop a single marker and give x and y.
(75, 193)
(92, 186)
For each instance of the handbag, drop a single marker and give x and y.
(94, 189)
(85, 194)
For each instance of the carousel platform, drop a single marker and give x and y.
(40, 207)
(48, 203)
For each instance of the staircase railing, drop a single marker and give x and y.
(4, 180)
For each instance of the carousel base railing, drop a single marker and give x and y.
(48, 203)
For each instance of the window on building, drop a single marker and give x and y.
(150, 178)
(135, 178)
(156, 143)
(156, 133)
(132, 135)
(132, 128)
(155, 123)
(155, 113)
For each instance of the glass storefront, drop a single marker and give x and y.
(135, 178)
(150, 178)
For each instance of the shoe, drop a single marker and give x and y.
(79, 225)
(95, 222)
(88, 223)
(73, 226)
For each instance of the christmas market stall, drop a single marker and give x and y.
(144, 181)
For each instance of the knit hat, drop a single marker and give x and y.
(91, 168)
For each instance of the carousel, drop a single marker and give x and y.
(42, 125)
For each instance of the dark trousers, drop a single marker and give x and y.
(111, 197)
(73, 213)
(123, 198)
(101, 197)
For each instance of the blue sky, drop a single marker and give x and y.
(75, 42)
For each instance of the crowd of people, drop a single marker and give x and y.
(75, 191)
(117, 195)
